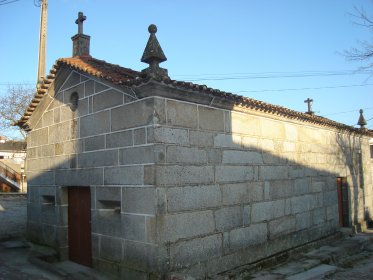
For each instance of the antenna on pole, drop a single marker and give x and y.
(42, 41)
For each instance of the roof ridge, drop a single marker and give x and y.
(263, 106)
(119, 75)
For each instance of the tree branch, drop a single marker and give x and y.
(12, 108)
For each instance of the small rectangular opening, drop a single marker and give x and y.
(48, 199)
(110, 204)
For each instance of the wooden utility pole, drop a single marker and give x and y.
(42, 41)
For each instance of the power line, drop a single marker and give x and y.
(270, 75)
(306, 88)
(15, 84)
(345, 112)
(3, 2)
(306, 72)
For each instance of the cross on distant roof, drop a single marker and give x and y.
(79, 22)
(309, 103)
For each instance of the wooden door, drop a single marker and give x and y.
(79, 216)
(342, 189)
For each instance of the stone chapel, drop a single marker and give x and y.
(142, 176)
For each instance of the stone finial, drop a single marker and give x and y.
(362, 122)
(80, 40)
(153, 55)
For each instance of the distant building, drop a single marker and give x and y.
(143, 176)
(12, 165)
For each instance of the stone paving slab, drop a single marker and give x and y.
(362, 270)
(14, 264)
(19, 262)
(319, 263)
(317, 272)
(289, 269)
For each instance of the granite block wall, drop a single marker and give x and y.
(186, 187)
(101, 144)
(235, 187)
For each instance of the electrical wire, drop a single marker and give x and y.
(306, 88)
(270, 75)
(345, 112)
(3, 2)
(17, 84)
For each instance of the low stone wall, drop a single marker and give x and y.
(13, 214)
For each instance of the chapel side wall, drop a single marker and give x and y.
(103, 145)
(232, 182)
(365, 193)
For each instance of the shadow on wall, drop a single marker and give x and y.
(350, 145)
(176, 177)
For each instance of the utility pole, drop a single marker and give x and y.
(42, 41)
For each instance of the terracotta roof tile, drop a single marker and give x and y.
(128, 77)
(101, 69)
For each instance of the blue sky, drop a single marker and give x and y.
(249, 47)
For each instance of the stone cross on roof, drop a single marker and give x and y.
(153, 55)
(309, 105)
(80, 41)
(79, 22)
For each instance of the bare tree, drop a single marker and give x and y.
(12, 107)
(365, 50)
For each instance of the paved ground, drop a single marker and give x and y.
(348, 258)
(362, 269)
(19, 261)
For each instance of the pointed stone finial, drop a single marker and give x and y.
(153, 55)
(362, 122)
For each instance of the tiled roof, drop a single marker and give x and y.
(124, 76)
(101, 69)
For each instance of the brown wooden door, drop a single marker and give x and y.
(342, 188)
(79, 215)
